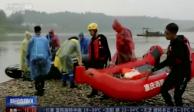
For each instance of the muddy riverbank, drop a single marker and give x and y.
(56, 95)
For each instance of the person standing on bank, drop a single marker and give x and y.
(99, 53)
(124, 44)
(39, 59)
(54, 43)
(179, 61)
(84, 44)
(23, 53)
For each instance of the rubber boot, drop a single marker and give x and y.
(71, 80)
(39, 85)
(93, 93)
(26, 76)
(64, 79)
(104, 97)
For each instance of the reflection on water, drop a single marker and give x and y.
(2, 50)
(9, 55)
(9, 50)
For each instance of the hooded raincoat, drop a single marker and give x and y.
(124, 44)
(69, 50)
(23, 52)
(53, 40)
(39, 56)
(84, 44)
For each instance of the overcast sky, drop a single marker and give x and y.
(174, 9)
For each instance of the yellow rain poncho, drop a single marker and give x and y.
(23, 52)
(57, 62)
(70, 49)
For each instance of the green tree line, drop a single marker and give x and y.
(69, 22)
(12, 23)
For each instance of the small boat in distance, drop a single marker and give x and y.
(147, 33)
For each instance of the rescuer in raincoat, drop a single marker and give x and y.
(84, 44)
(23, 53)
(39, 59)
(66, 56)
(125, 48)
(99, 52)
(54, 43)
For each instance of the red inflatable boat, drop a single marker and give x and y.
(127, 81)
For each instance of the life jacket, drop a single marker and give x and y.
(98, 51)
(186, 42)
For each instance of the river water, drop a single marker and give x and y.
(9, 48)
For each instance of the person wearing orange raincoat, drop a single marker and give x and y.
(125, 48)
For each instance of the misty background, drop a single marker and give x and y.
(73, 16)
(69, 22)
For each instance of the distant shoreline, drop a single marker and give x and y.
(20, 36)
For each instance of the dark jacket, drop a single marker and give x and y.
(99, 51)
(178, 58)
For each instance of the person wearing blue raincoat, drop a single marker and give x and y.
(84, 44)
(39, 59)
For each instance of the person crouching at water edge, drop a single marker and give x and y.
(39, 59)
(99, 53)
(23, 53)
(66, 57)
(124, 44)
(179, 61)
